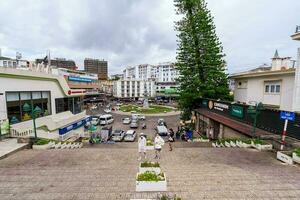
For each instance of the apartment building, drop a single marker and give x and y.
(96, 66)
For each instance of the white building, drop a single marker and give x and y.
(9, 62)
(133, 89)
(273, 85)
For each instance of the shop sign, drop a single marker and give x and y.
(73, 126)
(221, 106)
(79, 79)
(237, 111)
(204, 103)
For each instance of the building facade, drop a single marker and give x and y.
(96, 66)
(59, 63)
(133, 89)
(273, 85)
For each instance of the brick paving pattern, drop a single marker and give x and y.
(109, 173)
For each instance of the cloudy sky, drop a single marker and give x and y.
(129, 32)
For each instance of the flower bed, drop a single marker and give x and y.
(261, 145)
(149, 166)
(296, 155)
(149, 145)
(200, 139)
(151, 182)
(41, 144)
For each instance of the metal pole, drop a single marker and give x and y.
(34, 126)
(283, 134)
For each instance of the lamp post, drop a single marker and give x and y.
(36, 110)
(254, 111)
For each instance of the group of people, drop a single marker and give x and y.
(158, 144)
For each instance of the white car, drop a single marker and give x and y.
(107, 110)
(130, 136)
(126, 120)
(118, 135)
(138, 116)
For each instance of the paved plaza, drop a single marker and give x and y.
(109, 173)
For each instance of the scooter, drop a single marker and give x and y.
(144, 126)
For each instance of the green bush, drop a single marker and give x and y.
(149, 143)
(258, 141)
(149, 164)
(297, 152)
(41, 142)
(151, 176)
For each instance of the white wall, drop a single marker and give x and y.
(255, 91)
(15, 85)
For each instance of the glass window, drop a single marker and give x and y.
(277, 89)
(25, 95)
(12, 96)
(272, 88)
(36, 95)
(4, 63)
(267, 88)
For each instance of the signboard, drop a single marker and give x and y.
(73, 126)
(287, 116)
(221, 106)
(237, 111)
(79, 79)
(4, 126)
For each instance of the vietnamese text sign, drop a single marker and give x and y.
(287, 116)
(237, 111)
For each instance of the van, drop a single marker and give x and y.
(162, 130)
(106, 119)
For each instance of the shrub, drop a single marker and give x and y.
(297, 152)
(149, 143)
(258, 141)
(150, 176)
(41, 142)
(149, 164)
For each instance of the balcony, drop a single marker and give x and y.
(296, 36)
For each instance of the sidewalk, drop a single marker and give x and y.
(9, 146)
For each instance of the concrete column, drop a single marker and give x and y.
(296, 95)
(221, 132)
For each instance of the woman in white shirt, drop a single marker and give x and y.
(142, 147)
(158, 143)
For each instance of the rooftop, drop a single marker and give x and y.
(262, 73)
(296, 35)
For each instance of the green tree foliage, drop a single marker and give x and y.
(199, 56)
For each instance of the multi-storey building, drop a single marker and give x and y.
(133, 89)
(59, 63)
(10, 62)
(96, 66)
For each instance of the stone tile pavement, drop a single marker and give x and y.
(10, 145)
(109, 173)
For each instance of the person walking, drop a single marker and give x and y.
(142, 147)
(171, 138)
(158, 143)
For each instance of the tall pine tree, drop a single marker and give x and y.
(199, 56)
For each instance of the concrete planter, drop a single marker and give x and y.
(232, 144)
(149, 148)
(214, 144)
(263, 147)
(41, 147)
(284, 157)
(239, 144)
(227, 144)
(296, 158)
(57, 146)
(157, 170)
(245, 145)
(151, 186)
(204, 140)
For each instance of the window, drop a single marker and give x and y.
(242, 84)
(272, 87)
(4, 63)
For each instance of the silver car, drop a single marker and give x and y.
(130, 136)
(134, 123)
(118, 135)
(126, 120)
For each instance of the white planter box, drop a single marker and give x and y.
(284, 157)
(151, 186)
(296, 158)
(239, 144)
(157, 170)
(214, 144)
(263, 147)
(149, 148)
(245, 145)
(204, 140)
(227, 144)
(41, 147)
(232, 144)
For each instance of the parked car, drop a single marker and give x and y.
(162, 130)
(106, 119)
(161, 121)
(95, 120)
(138, 116)
(126, 120)
(118, 135)
(134, 123)
(107, 110)
(130, 136)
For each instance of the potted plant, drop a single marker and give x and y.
(151, 182)
(227, 143)
(285, 156)
(149, 145)
(41, 144)
(149, 166)
(204, 138)
(233, 143)
(247, 143)
(261, 145)
(296, 155)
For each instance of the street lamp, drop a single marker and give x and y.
(36, 110)
(254, 111)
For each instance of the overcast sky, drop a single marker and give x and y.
(129, 32)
